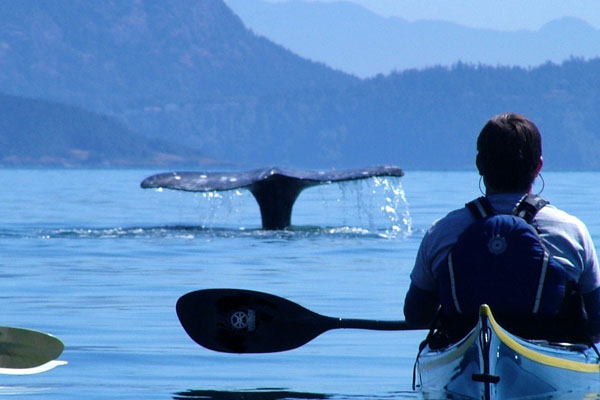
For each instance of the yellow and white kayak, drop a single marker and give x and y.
(491, 363)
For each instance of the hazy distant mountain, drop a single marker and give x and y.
(350, 38)
(189, 72)
(42, 133)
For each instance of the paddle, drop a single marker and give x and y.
(245, 321)
(33, 370)
(24, 349)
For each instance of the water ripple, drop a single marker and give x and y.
(194, 232)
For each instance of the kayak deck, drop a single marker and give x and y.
(491, 363)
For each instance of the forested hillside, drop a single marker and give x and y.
(189, 72)
(42, 133)
(444, 109)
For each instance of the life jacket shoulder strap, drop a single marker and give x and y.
(529, 206)
(480, 208)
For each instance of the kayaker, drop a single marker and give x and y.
(509, 159)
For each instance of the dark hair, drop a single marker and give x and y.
(509, 148)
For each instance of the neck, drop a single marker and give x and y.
(489, 190)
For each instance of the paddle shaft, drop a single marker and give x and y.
(373, 325)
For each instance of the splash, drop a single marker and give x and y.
(379, 205)
(362, 207)
(229, 207)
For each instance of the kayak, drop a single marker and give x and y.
(491, 363)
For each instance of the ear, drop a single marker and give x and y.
(539, 166)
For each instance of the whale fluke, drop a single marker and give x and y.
(274, 189)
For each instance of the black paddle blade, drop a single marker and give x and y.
(245, 321)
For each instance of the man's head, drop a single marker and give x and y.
(509, 153)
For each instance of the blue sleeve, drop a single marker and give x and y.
(420, 307)
(436, 243)
(422, 274)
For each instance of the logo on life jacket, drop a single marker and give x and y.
(497, 245)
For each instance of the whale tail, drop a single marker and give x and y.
(274, 189)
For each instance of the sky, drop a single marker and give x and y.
(505, 15)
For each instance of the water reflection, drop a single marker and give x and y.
(281, 394)
(255, 394)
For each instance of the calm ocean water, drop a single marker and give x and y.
(90, 257)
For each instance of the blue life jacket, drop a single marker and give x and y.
(501, 261)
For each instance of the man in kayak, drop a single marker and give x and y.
(446, 278)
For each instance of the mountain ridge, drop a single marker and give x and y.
(189, 73)
(350, 38)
